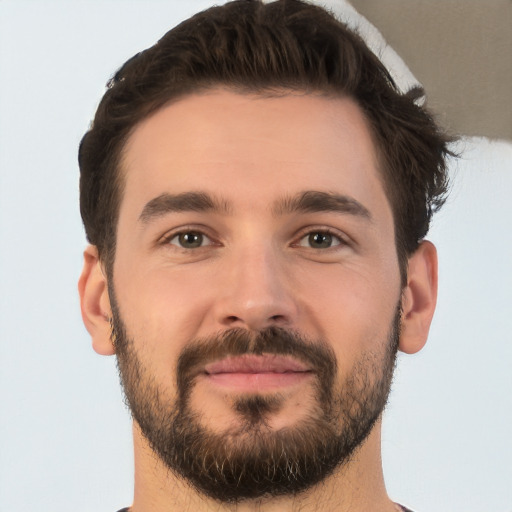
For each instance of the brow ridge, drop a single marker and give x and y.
(312, 201)
(184, 202)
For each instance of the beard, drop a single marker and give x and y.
(250, 459)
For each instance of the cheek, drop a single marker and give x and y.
(352, 307)
(161, 311)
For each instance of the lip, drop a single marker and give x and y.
(265, 363)
(250, 373)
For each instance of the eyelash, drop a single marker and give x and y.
(167, 239)
(335, 235)
(338, 239)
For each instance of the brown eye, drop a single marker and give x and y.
(320, 240)
(189, 240)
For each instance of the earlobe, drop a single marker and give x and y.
(95, 303)
(419, 298)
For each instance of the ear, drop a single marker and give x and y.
(95, 303)
(419, 298)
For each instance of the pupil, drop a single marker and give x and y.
(191, 239)
(320, 240)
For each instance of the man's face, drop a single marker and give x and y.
(256, 288)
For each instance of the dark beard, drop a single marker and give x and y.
(252, 460)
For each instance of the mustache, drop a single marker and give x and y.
(318, 355)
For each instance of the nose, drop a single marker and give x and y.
(255, 292)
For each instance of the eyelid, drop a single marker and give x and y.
(205, 240)
(344, 239)
(173, 233)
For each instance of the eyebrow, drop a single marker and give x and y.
(313, 201)
(185, 202)
(310, 201)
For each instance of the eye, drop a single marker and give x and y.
(320, 240)
(189, 240)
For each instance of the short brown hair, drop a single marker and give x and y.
(257, 47)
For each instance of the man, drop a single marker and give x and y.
(256, 193)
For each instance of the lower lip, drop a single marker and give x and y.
(258, 381)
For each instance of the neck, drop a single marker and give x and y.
(356, 487)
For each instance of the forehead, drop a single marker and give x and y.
(250, 148)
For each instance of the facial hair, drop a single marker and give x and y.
(251, 460)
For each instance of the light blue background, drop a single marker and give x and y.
(64, 432)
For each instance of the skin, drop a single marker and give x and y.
(256, 267)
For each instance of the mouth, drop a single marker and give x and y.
(251, 373)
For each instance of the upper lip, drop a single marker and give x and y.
(265, 363)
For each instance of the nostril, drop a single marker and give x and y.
(277, 318)
(274, 319)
